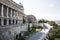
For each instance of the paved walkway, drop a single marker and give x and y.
(36, 36)
(41, 34)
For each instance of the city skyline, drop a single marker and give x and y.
(42, 9)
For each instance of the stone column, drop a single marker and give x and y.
(11, 17)
(7, 12)
(11, 13)
(2, 10)
(11, 21)
(17, 14)
(2, 22)
(14, 14)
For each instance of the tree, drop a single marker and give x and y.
(42, 21)
(55, 33)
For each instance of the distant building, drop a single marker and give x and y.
(13, 21)
(10, 12)
(31, 18)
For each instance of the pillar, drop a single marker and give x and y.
(14, 14)
(2, 10)
(11, 21)
(2, 22)
(7, 21)
(11, 13)
(7, 12)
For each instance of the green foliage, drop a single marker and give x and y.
(26, 33)
(39, 27)
(57, 38)
(30, 32)
(21, 38)
(55, 33)
(42, 21)
(52, 23)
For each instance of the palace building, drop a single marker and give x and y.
(10, 12)
(13, 21)
(11, 18)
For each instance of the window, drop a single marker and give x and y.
(9, 21)
(13, 21)
(16, 36)
(44, 39)
(5, 21)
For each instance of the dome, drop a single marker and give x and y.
(20, 4)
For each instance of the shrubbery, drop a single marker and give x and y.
(21, 38)
(55, 33)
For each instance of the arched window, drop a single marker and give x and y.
(13, 21)
(9, 21)
(5, 21)
(16, 36)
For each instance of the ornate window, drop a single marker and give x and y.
(5, 21)
(13, 21)
(9, 21)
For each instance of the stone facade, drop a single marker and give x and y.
(11, 20)
(31, 18)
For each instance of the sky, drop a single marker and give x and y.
(42, 9)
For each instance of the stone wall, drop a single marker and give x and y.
(9, 32)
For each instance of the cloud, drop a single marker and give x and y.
(51, 5)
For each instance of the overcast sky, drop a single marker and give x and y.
(42, 9)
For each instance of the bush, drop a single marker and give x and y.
(55, 33)
(21, 38)
(30, 31)
(39, 27)
(26, 33)
(57, 38)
